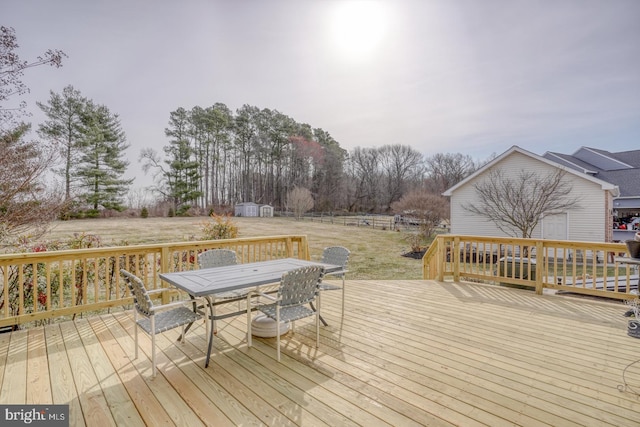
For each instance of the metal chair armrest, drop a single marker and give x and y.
(343, 271)
(158, 308)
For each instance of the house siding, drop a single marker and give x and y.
(587, 222)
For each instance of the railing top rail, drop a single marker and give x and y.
(12, 257)
(530, 241)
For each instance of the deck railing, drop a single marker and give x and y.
(581, 267)
(42, 285)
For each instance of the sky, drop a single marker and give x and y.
(443, 76)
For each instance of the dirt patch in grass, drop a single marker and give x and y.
(375, 253)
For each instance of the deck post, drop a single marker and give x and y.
(455, 252)
(542, 267)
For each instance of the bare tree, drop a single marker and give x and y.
(401, 166)
(138, 198)
(516, 205)
(363, 169)
(446, 170)
(25, 203)
(299, 200)
(11, 70)
(427, 209)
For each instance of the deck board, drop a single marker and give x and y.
(406, 353)
(92, 399)
(63, 388)
(38, 385)
(5, 340)
(14, 384)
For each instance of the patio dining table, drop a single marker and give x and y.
(206, 282)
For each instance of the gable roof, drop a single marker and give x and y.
(621, 169)
(515, 149)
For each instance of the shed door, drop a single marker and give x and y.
(554, 226)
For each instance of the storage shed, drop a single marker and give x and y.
(246, 209)
(266, 210)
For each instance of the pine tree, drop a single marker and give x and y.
(101, 164)
(183, 176)
(64, 126)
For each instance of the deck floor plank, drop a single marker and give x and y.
(408, 352)
(104, 359)
(63, 388)
(14, 383)
(38, 385)
(94, 405)
(5, 341)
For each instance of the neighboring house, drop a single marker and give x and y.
(621, 169)
(590, 221)
(246, 209)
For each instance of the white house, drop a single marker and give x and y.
(590, 221)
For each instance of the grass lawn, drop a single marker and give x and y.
(375, 253)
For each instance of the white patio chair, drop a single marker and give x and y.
(220, 258)
(157, 318)
(297, 288)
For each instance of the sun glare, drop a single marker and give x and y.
(358, 27)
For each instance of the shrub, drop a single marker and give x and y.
(144, 213)
(183, 210)
(221, 227)
(171, 213)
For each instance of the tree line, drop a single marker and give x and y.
(216, 157)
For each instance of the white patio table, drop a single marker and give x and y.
(206, 282)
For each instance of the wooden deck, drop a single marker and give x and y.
(406, 353)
